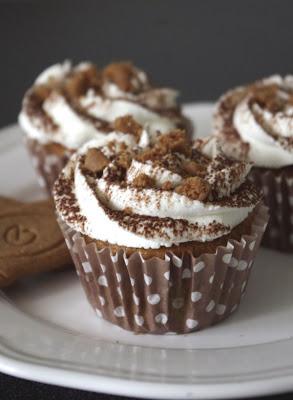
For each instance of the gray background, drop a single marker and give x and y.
(200, 47)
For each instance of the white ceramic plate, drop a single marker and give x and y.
(49, 333)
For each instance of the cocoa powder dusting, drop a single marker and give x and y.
(260, 96)
(66, 201)
(79, 81)
(203, 179)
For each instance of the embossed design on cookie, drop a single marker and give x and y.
(30, 240)
(19, 235)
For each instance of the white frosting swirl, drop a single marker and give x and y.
(178, 218)
(54, 72)
(161, 175)
(110, 109)
(268, 141)
(72, 129)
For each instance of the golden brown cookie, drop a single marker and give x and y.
(30, 240)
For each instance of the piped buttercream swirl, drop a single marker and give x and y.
(256, 122)
(164, 195)
(70, 105)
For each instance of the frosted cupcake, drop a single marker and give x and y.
(68, 106)
(163, 238)
(255, 122)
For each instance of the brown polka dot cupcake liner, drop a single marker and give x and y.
(47, 165)
(278, 196)
(171, 295)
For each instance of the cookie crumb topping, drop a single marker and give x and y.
(246, 115)
(90, 94)
(125, 76)
(170, 192)
(127, 124)
(143, 181)
(194, 187)
(95, 161)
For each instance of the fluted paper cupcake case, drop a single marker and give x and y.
(174, 295)
(47, 165)
(278, 196)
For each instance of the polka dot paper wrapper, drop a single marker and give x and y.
(278, 196)
(174, 295)
(47, 165)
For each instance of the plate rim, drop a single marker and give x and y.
(31, 369)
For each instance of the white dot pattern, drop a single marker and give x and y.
(191, 323)
(177, 261)
(227, 258)
(199, 266)
(195, 296)
(178, 303)
(98, 312)
(114, 257)
(242, 265)
(102, 300)
(167, 275)
(139, 320)
(150, 306)
(234, 308)
(132, 281)
(135, 299)
(220, 309)
(161, 318)
(148, 279)
(87, 267)
(234, 262)
(153, 299)
(186, 274)
(119, 312)
(210, 306)
(103, 281)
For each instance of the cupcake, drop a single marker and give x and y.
(67, 106)
(163, 238)
(255, 122)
